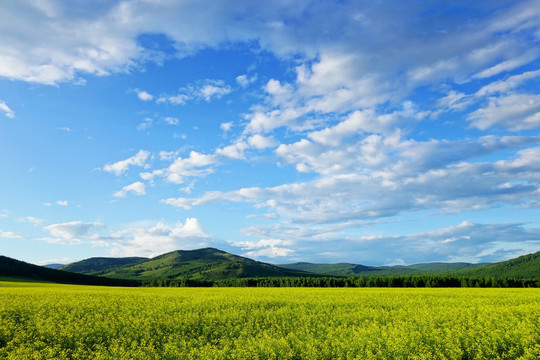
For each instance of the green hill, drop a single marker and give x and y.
(339, 269)
(15, 269)
(211, 264)
(201, 264)
(442, 266)
(100, 265)
(523, 267)
(347, 269)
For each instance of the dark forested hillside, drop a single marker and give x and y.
(12, 268)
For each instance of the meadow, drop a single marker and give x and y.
(49, 321)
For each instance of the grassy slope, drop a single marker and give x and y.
(204, 264)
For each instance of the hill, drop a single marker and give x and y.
(347, 269)
(15, 269)
(53, 266)
(523, 267)
(100, 265)
(211, 264)
(201, 264)
(339, 269)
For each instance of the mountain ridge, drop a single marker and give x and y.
(200, 264)
(215, 264)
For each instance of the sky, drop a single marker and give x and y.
(371, 132)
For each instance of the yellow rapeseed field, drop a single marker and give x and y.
(40, 321)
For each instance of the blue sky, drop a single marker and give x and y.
(323, 131)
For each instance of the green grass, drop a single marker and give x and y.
(80, 322)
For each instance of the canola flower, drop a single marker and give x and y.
(39, 321)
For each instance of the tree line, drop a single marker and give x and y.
(387, 281)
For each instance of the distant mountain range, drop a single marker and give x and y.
(211, 264)
(214, 264)
(347, 269)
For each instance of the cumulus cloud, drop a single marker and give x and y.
(213, 90)
(143, 239)
(398, 188)
(225, 127)
(234, 151)
(465, 241)
(160, 238)
(7, 111)
(171, 120)
(137, 188)
(144, 96)
(62, 203)
(347, 108)
(196, 165)
(261, 142)
(244, 80)
(74, 232)
(118, 168)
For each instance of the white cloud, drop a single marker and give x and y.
(145, 124)
(118, 168)
(234, 151)
(168, 155)
(30, 219)
(213, 90)
(7, 111)
(9, 235)
(225, 127)
(196, 165)
(179, 99)
(62, 203)
(469, 242)
(427, 176)
(4, 214)
(160, 238)
(103, 39)
(515, 112)
(261, 142)
(55, 261)
(144, 96)
(502, 86)
(171, 120)
(207, 90)
(509, 64)
(136, 240)
(244, 81)
(454, 101)
(267, 248)
(137, 188)
(75, 230)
